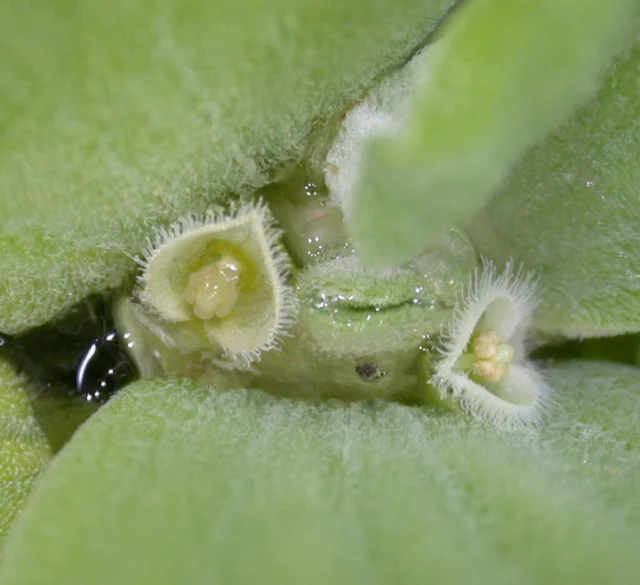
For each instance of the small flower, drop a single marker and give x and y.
(483, 365)
(223, 279)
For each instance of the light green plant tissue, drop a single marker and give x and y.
(502, 74)
(173, 483)
(116, 117)
(24, 451)
(570, 212)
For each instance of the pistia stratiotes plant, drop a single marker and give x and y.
(367, 129)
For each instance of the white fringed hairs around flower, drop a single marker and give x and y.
(483, 365)
(223, 279)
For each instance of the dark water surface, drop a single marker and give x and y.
(71, 366)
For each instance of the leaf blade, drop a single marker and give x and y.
(24, 451)
(181, 485)
(570, 213)
(487, 98)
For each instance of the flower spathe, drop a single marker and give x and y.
(483, 365)
(220, 280)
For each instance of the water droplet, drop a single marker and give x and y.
(311, 189)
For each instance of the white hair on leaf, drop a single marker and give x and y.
(483, 365)
(382, 112)
(344, 160)
(222, 276)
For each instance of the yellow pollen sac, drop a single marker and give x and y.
(490, 370)
(489, 357)
(486, 345)
(214, 289)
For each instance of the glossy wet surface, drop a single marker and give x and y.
(71, 366)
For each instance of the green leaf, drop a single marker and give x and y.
(570, 212)
(117, 117)
(171, 483)
(59, 417)
(24, 451)
(503, 74)
(596, 427)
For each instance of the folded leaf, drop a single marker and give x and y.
(117, 117)
(171, 483)
(502, 75)
(24, 451)
(570, 212)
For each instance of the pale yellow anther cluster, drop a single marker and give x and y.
(491, 356)
(214, 289)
